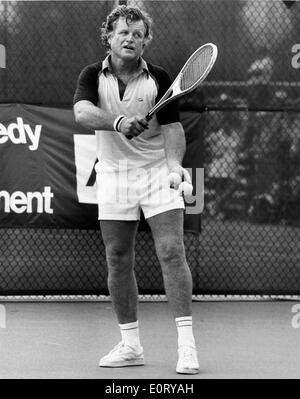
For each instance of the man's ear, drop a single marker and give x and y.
(109, 36)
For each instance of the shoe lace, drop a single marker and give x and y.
(188, 354)
(118, 348)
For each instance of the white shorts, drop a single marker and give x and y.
(122, 194)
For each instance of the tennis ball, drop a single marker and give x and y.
(174, 180)
(186, 189)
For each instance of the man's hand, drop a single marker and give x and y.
(133, 126)
(180, 179)
(178, 175)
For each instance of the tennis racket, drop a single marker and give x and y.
(194, 71)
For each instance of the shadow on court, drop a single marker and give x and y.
(66, 340)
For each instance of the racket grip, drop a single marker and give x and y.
(148, 118)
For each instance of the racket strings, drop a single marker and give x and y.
(196, 68)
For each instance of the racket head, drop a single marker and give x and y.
(197, 67)
(193, 72)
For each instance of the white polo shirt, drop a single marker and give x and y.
(98, 84)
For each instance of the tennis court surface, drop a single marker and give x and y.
(64, 340)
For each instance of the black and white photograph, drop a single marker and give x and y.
(149, 193)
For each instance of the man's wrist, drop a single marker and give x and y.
(174, 165)
(117, 123)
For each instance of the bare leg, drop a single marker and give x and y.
(119, 237)
(167, 230)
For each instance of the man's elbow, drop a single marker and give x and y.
(79, 114)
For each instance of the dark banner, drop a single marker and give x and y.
(38, 184)
(47, 169)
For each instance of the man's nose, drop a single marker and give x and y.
(130, 37)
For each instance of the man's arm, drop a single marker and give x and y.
(92, 117)
(175, 147)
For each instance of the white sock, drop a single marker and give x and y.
(185, 331)
(130, 333)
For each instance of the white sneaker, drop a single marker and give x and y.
(187, 360)
(123, 355)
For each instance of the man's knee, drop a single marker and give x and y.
(119, 259)
(171, 251)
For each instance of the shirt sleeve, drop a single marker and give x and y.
(87, 84)
(170, 112)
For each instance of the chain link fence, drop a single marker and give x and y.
(250, 105)
(69, 262)
(48, 42)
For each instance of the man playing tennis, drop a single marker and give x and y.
(112, 98)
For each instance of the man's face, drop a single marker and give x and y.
(127, 41)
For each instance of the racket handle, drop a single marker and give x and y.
(148, 118)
